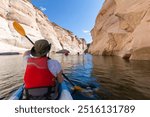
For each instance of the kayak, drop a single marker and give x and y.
(64, 93)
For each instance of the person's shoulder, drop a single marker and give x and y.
(54, 65)
(52, 61)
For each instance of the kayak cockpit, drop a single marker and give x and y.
(64, 93)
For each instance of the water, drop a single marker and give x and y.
(102, 77)
(11, 73)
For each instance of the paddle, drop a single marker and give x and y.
(75, 87)
(22, 32)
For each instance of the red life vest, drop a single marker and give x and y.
(37, 73)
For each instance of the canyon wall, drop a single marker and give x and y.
(36, 25)
(122, 28)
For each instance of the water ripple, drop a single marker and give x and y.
(107, 77)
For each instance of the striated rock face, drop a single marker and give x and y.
(122, 28)
(36, 25)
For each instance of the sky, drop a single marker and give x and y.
(78, 16)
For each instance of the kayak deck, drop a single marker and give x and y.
(64, 93)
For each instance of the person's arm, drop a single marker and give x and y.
(60, 77)
(26, 56)
(27, 53)
(56, 69)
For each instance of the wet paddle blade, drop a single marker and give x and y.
(19, 28)
(78, 88)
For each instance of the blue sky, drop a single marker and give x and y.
(78, 16)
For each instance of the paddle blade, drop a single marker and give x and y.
(78, 88)
(19, 28)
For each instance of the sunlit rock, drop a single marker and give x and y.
(36, 25)
(122, 28)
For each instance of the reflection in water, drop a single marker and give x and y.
(115, 77)
(122, 79)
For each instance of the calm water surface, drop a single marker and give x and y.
(103, 77)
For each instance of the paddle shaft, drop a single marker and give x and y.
(78, 81)
(29, 39)
(68, 79)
